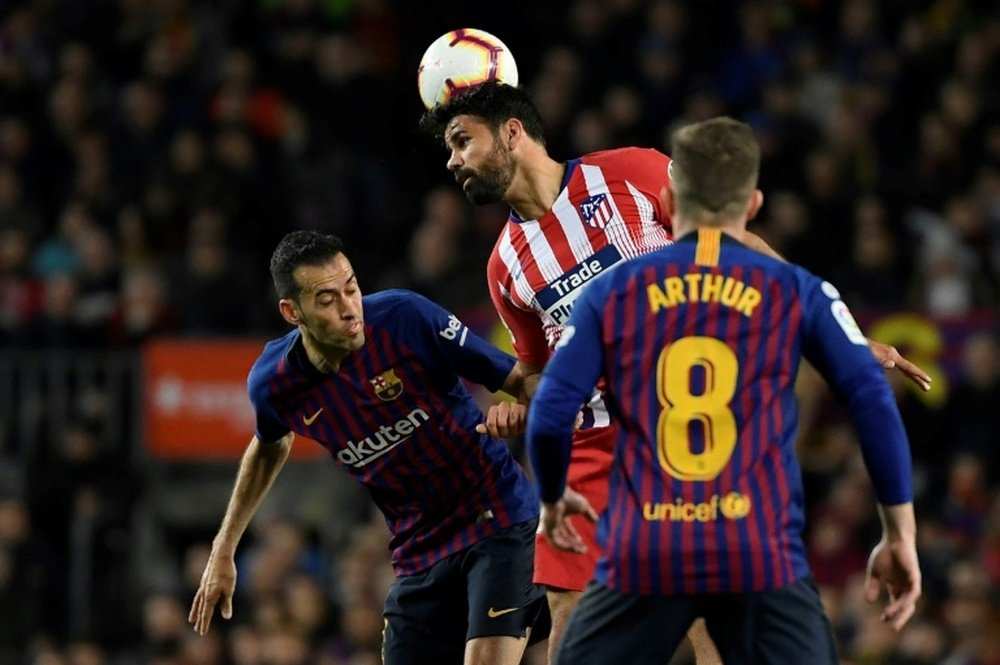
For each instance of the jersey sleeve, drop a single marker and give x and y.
(269, 427)
(524, 326)
(444, 341)
(835, 345)
(567, 383)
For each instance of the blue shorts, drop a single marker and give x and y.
(482, 591)
(786, 625)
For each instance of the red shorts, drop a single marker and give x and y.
(589, 468)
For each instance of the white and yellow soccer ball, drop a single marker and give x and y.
(460, 59)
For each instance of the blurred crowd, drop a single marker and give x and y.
(152, 152)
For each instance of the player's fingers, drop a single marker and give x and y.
(558, 539)
(570, 539)
(506, 419)
(548, 529)
(575, 537)
(227, 606)
(490, 426)
(872, 587)
(914, 373)
(581, 506)
(899, 611)
(904, 616)
(205, 615)
(193, 612)
(518, 419)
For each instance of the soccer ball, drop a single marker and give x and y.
(461, 59)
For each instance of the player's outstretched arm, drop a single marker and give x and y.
(258, 469)
(893, 565)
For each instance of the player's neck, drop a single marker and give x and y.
(734, 227)
(536, 185)
(326, 360)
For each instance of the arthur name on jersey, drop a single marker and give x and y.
(558, 297)
(694, 288)
(387, 437)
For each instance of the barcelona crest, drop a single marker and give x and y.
(387, 385)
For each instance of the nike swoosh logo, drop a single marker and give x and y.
(493, 614)
(312, 419)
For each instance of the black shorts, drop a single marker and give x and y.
(483, 591)
(786, 625)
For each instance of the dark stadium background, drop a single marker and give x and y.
(153, 151)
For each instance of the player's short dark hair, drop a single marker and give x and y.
(301, 248)
(715, 165)
(493, 102)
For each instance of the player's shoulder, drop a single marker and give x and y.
(787, 272)
(624, 156)
(385, 303)
(392, 308)
(269, 364)
(631, 163)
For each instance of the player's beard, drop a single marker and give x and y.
(491, 181)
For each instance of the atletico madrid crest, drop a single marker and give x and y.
(596, 211)
(387, 385)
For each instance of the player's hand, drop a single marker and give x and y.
(556, 525)
(218, 582)
(888, 357)
(893, 566)
(504, 420)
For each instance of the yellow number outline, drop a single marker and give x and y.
(681, 407)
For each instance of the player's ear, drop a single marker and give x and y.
(756, 201)
(512, 132)
(289, 311)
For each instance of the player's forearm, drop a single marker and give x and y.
(898, 522)
(522, 382)
(258, 469)
(884, 445)
(549, 436)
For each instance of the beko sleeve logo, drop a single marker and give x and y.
(455, 330)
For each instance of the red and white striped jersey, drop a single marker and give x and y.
(608, 210)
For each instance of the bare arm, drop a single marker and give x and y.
(522, 382)
(893, 565)
(507, 419)
(887, 356)
(258, 469)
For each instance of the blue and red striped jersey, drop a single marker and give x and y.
(699, 344)
(398, 418)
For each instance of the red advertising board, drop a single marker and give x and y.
(195, 400)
